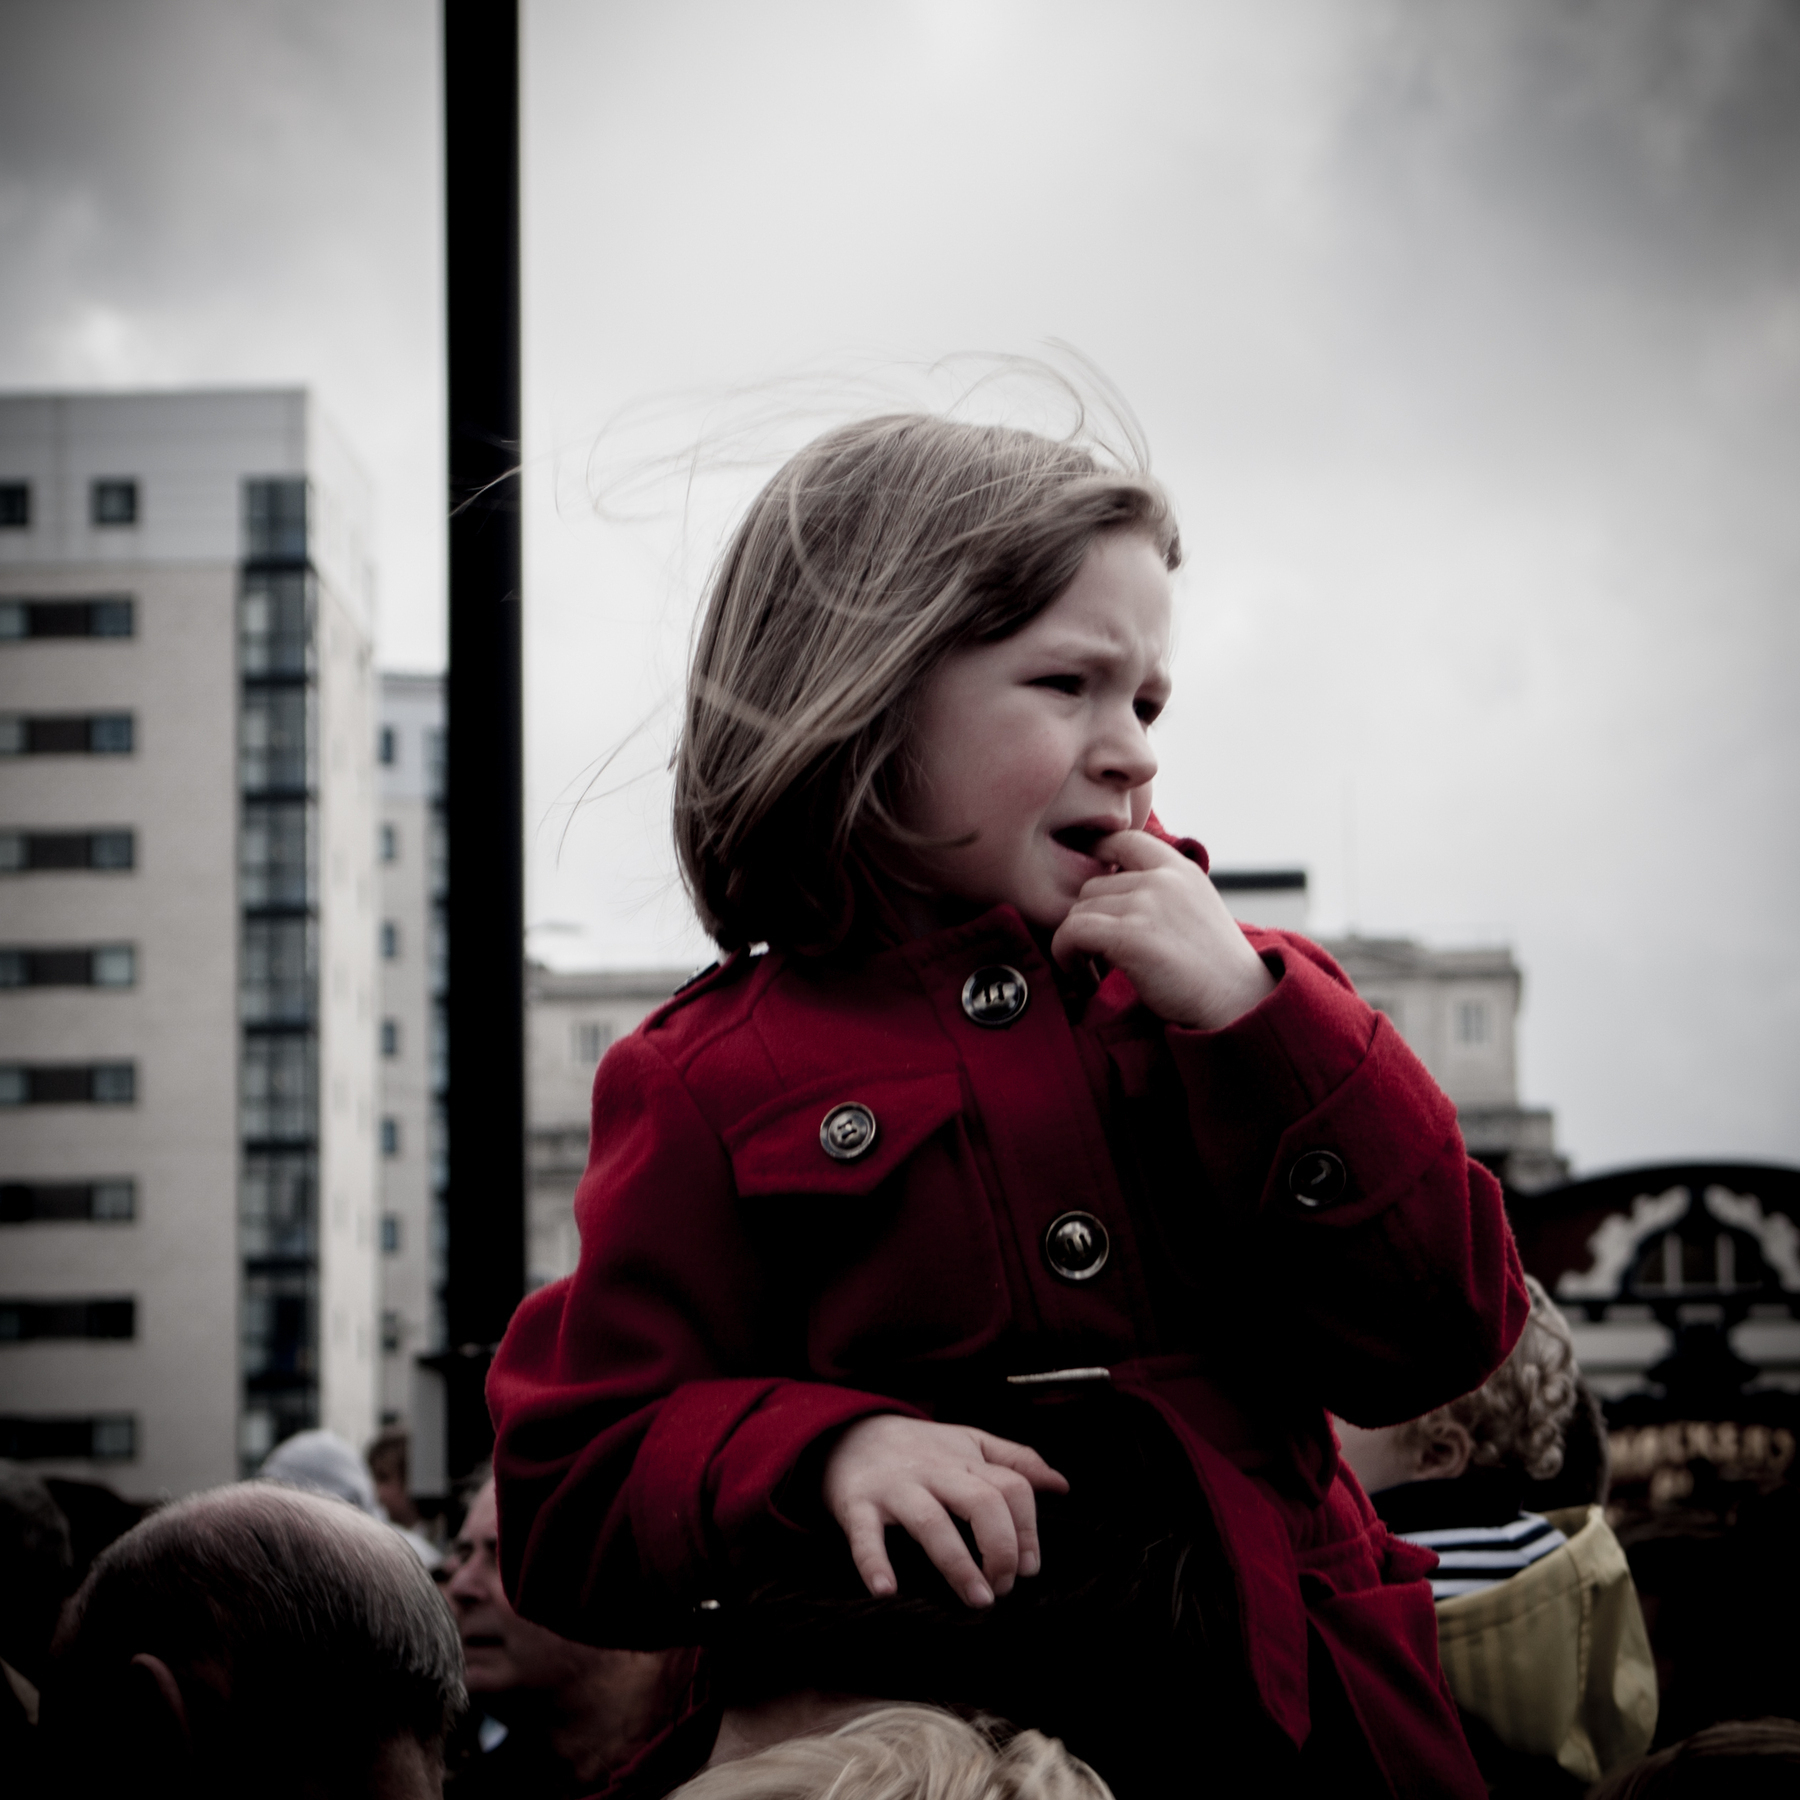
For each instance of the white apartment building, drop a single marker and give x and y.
(187, 935)
(410, 850)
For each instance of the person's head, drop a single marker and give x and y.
(884, 556)
(255, 1639)
(1740, 1759)
(387, 1461)
(598, 1706)
(903, 1753)
(1515, 1420)
(321, 1462)
(35, 1559)
(503, 1654)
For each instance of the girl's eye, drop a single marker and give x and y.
(1063, 684)
(1149, 711)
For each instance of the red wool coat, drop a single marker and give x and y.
(746, 1286)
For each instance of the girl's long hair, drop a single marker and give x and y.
(869, 557)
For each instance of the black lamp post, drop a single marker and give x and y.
(485, 763)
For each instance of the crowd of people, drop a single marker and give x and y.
(297, 1634)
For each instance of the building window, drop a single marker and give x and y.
(1471, 1021)
(24, 852)
(111, 734)
(114, 1084)
(109, 617)
(276, 854)
(112, 965)
(390, 1234)
(23, 1320)
(387, 746)
(276, 735)
(388, 840)
(277, 1089)
(390, 1037)
(390, 1332)
(590, 1042)
(278, 976)
(437, 1144)
(66, 734)
(60, 1202)
(15, 505)
(110, 1437)
(280, 1358)
(114, 501)
(277, 1205)
(275, 623)
(390, 1137)
(390, 940)
(275, 520)
(68, 1084)
(278, 1070)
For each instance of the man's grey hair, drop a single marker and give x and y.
(324, 1623)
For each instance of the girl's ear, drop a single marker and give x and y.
(1442, 1449)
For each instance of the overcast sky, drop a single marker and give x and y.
(1466, 334)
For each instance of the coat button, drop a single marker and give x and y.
(848, 1131)
(1076, 1246)
(1318, 1178)
(995, 995)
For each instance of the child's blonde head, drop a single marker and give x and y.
(871, 555)
(903, 1753)
(1518, 1416)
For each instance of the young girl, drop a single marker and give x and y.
(1016, 1216)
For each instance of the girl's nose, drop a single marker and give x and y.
(1122, 755)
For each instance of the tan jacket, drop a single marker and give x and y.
(1556, 1659)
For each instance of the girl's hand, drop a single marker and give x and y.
(1159, 919)
(890, 1470)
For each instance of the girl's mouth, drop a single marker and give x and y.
(1080, 838)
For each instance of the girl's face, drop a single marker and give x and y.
(1037, 746)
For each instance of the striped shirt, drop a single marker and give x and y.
(1473, 1557)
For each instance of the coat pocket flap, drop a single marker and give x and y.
(872, 1125)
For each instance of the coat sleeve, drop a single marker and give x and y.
(1400, 1291)
(641, 1432)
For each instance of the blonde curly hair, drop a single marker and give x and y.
(1519, 1414)
(903, 1753)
